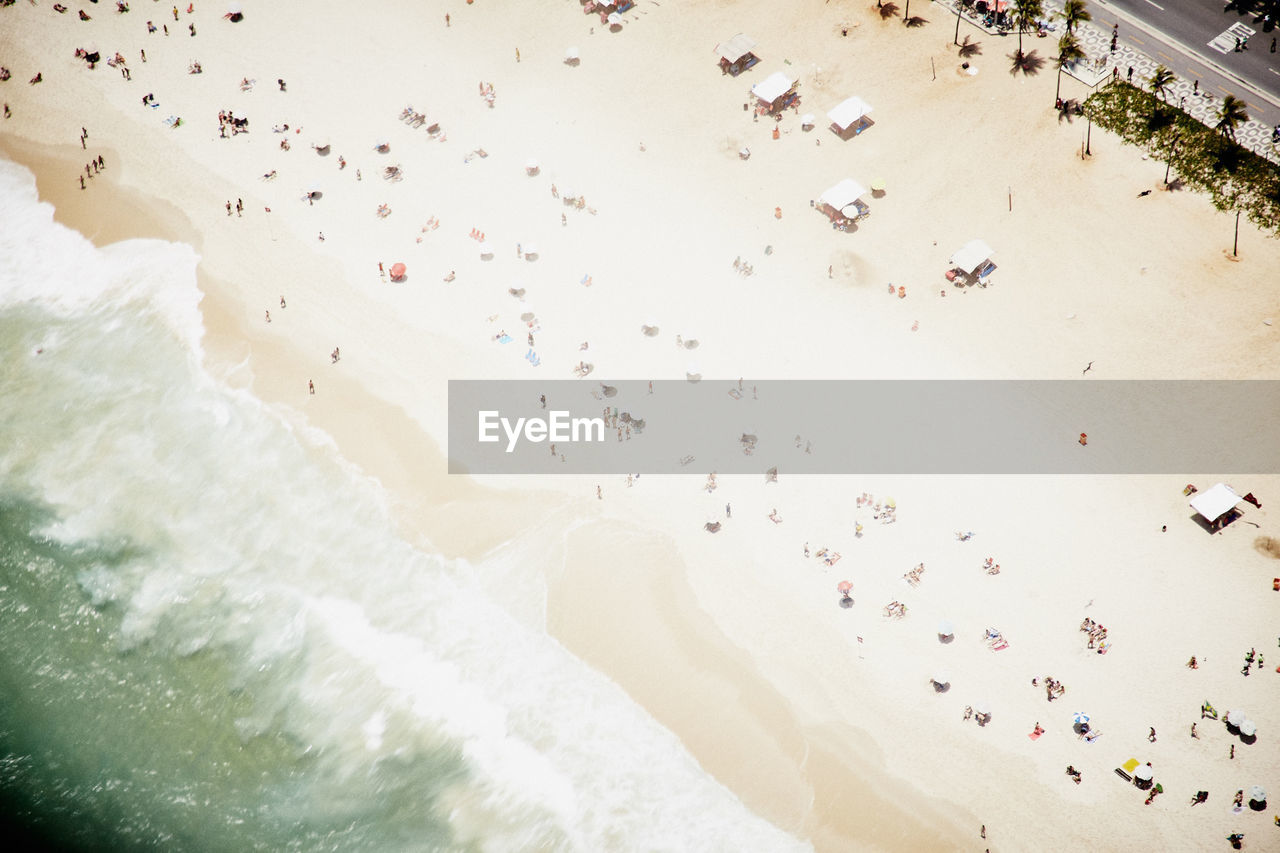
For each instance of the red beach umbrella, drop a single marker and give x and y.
(397, 271)
(844, 586)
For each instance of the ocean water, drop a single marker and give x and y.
(211, 637)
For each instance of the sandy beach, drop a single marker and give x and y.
(820, 719)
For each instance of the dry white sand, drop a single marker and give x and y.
(735, 640)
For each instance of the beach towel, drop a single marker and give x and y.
(1035, 735)
(505, 339)
(1130, 765)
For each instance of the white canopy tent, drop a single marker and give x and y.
(844, 195)
(1215, 503)
(848, 116)
(971, 256)
(773, 87)
(735, 48)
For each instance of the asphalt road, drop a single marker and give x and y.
(1178, 33)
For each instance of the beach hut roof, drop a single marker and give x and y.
(971, 255)
(735, 48)
(1215, 502)
(843, 194)
(773, 87)
(848, 112)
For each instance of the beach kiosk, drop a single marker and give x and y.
(850, 118)
(1217, 506)
(775, 93)
(972, 264)
(735, 55)
(842, 203)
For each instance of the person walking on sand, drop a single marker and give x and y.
(81, 181)
(599, 496)
(228, 207)
(311, 387)
(268, 316)
(1193, 732)
(239, 207)
(1151, 736)
(282, 305)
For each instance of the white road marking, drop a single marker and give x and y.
(1157, 5)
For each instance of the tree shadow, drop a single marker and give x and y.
(1029, 63)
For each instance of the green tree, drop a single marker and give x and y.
(1069, 50)
(1025, 14)
(1074, 13)
(1231, 116)
(1161, 79)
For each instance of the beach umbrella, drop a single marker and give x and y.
(1257, 794)
(571, 55)
(382, 145)
(942, 679)
(397, 271)
(946, 629)
(527, 316)
(692, 373)
(531, 166)
(1248, 729)
(890, 503)
(235, 9)
(1143, 773)
(806, 121)
(615, 21)
(314, 190)
(844, 586)
(649, 329)
(530, 250)
(878, 185)
(1079, 718)
(982, 708)
(1235, 718)
(486, 251)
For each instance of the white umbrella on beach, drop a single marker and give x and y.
(946, 629)
(531, 166)
(486, 251)
(941, 679)
(1079, 718)
(234, 8)
(615, 21)
(1235, 718)
(982, 708)
(314, 190)
(1257, 794)
(692, 372)
(530, 250)
(1143, 773)
(1248, 729)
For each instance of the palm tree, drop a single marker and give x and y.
(888, 10)
(1069, 50)
(1026, 13)
(970, 48)
(1075, 13)
(1231, 116)
(1160, 81)
(915, 21)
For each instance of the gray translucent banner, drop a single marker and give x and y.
(864, 427)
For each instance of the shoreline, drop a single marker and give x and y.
(434, 509)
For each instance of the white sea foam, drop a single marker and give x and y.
(379, 660)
